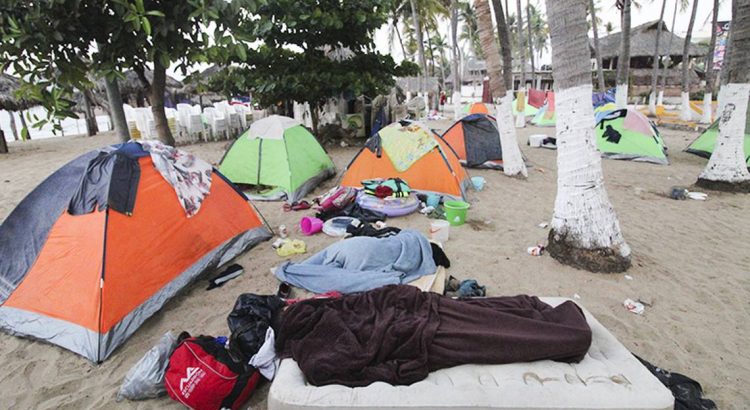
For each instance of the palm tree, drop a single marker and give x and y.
(469, 33)
(454, 46)
(667, 62)
(597, 50)
(726, 169)
(685, 111)
(623, 60)
(420, 44)
(521, 117)
(513, 164)
(505, 48)
(585, 232)
(657, 57)
(708, 95)
(530, 41)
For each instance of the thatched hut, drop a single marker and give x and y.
(135, 93)
(642, 45)
(195, 84)
(10, 103)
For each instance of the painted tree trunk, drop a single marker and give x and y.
(623, 60)
(513, 165)
(727, 168)
(505, 48)
(420, 43)
(597, 50)
(455, 46)
(13, 127)
(667, 62)
(710, 74)
(585, 231)
(686, 114)
(158, 85)
(457, 108)
(116, 110)
(657, 57)
(521, 117)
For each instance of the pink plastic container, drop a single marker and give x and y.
(310, 226)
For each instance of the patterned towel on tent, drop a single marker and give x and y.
(536, 98)
(406, 145)
(550, 105)
(189, 176)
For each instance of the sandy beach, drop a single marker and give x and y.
(691, 264)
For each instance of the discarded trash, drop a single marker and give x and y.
(540, 170)
(277, 243)
(576, 296)
(698, 196)
(535, 250)
(628, 277)
(543, 225)
(290, 247)
(145, 380)
(633, 306)
(426, 210)
(380, 225)
(678, 192)
(478, 183)
(283, 231)
(225, 276)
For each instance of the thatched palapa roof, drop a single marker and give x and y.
(643, 43)
(8, 100)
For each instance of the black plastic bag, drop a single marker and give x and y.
(250, 318)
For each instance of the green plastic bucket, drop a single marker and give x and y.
(455, 212)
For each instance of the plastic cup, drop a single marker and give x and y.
(440, 230)
(310, 225)
(478, 183)
(455, 212)
(433, 200)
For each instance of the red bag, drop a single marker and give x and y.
(202, 375)
(336, 199)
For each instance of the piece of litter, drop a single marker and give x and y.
(535, 250)
(576, 296)
(543, 225)
(698, 196)
(633, 306)
(628, 277)
(540, 170)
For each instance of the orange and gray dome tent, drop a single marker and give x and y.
(103, 243)
(476, 141)
(428, 164)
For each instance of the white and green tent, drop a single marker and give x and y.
(279, 154)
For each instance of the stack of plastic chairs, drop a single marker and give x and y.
(195, 125)
(216, 122)
(183, 116)
(171, 115)
(130, 119)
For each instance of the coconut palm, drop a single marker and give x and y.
(710, 78)
(623, 60)
(682, 6)
(513, 164)
(454, 46)
(539, 30)
(521, 117)
(504, 33)
(585, 232)
(657, 57)
(727, 168)
(530, 42)
(420, 45)
(469, 33)
(597, 50)
(685, 111)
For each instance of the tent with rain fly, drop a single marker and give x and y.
(704, 144)
(105, 241)
(546, 116)
(628, 134)
(476, 108)
(279, 154)
(476, 141)
(412, 152)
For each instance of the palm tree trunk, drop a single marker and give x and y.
(585, 232)
(521, 95)
(455, 46)
(513, 164)
(420, 44)
(657, 57)
(710, 77)
(727, 168)
(505, 48)
(531, 41)
(158, 85)
(597, 50)
(13, 128)
(432, 52)
(623, 60)
(686, 113)
(667, 63)
(400, 40)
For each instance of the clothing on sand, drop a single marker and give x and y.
(362, 263)
(398, 334)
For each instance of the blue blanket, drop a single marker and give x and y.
(362, 263)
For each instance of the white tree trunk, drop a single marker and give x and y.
(707, 114)
(521, 117)
(652, 104)
(513, 164)
(621, 96)
(660, 98)
(457, 105)
(583, 213)
(727, 162)
(686, 114)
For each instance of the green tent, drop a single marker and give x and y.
(545, 118)
(279, 154)
(529, 110)
(704, 144)
(628, 134)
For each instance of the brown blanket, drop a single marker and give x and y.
(398, 334)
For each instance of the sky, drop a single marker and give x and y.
(648, 11)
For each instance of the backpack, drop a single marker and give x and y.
(336, 199)
(204, 375)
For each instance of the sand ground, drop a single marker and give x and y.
(691, 262)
